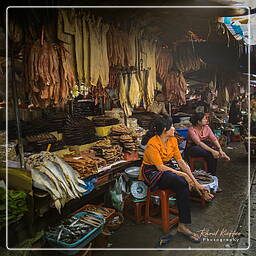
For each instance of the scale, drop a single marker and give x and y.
(138, 188)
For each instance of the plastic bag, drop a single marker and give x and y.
(117, 193)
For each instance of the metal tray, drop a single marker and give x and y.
(133, 171)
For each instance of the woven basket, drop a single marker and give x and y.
(116, 225)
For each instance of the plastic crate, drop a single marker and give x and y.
(81, 243)
(183, 132)
(111, 211)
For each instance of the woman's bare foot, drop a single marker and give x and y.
(187, 232)
(207, 196)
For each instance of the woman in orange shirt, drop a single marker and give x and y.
(160, 149)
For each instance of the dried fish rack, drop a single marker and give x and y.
(81, 243)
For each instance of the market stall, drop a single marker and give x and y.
(82, 98)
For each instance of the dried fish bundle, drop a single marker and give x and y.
(202, 177)
(129, 142)
(78, 131)
(11, 153)
(48, 76)
(116, 132)
(124, 137)
(99, 210)
(85, 165)
(40, 142)
(52, 174)
(56, 121)
(186, 57)
(85, 108)
(102, 144)
(144, 119)
(106, 150)
(104, 121)
(72, 229)
(41, 137)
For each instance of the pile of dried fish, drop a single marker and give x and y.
(52, 174)
(48, 73)
(116, 132)
(40, 142)
(41, 137)
(85, 164)
(129, 142)
(27, 128)
(104, 121)
(123, 136)
(202, 177)
(99, 210)
(85, 108)
(78, 131)
(73, 229)
(56, 121)
(10, 151)
(145, 119)
(105, 150)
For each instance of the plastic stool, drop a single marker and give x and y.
(192, 161)
(136, 206)
(165, 222)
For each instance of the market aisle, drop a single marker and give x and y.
(222, 214)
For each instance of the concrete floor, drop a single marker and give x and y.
(223, 213)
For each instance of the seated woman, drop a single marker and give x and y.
(162, 147)
(203, 143)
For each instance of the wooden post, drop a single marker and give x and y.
(16, 110)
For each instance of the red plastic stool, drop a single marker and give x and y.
(165, 222)
(192, 161)
(134, 210)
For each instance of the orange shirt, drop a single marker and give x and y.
(157, 154)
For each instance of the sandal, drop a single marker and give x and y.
(164, 240)
(190, 237)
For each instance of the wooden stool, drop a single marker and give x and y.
(192, 161)
(133, 209)
(166, 222)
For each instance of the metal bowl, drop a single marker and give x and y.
(133, 172)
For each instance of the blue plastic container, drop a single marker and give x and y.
(217, 132)
(183, 132)
(81, 243)
(236, 129)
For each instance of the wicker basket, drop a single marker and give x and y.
(115, 225)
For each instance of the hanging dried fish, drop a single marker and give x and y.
(48, 76)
